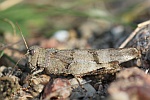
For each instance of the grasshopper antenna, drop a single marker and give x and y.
(25, 45)
(15, 66)
(22, 36)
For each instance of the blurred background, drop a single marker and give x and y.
(71, 24)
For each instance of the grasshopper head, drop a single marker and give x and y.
(33, 53)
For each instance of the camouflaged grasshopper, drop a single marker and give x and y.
(77, 62)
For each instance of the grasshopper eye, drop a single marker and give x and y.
(32, 52)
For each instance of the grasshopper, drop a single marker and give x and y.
(77, 62)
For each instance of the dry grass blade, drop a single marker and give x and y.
(11, 23)
(140, 26)
(9, 3)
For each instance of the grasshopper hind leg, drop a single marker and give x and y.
(82, 87)
(38, 71)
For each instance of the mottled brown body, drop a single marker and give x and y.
(78, 62)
